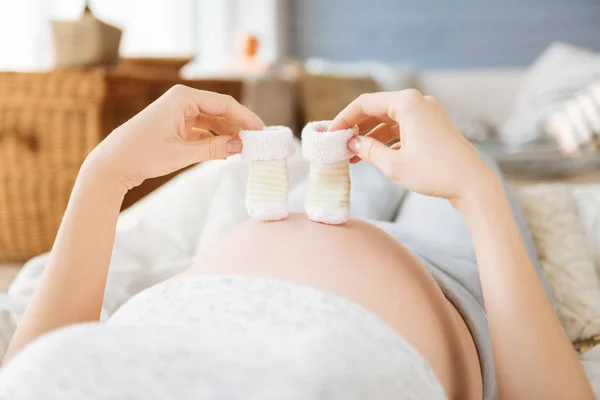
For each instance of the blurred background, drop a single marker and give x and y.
(519, 77)
(425, 34)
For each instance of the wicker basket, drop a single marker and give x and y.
(85, 42)
(49, 122)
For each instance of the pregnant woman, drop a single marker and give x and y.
(296, 309)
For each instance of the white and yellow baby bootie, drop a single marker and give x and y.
(267, 151)
(328, 196)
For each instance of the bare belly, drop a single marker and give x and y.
(364, 264)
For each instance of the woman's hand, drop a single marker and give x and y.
(432, 157)
(172, 133)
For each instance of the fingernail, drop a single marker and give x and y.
(233, 146)
(354, 144)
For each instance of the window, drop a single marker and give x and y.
(207, 28)
(158, 27)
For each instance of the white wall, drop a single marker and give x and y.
(442, 33)
(156, 27)
(214, 33)
(22, 35)
(222, 23)
(262, 18)
(208, 28)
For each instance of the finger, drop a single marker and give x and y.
(213, 148)
(193, 131)
(365, 106)
(216, 105)
(196, 134)
(219, 105)
(376, 153)
(368, 123)
(385, 133)
(389, 107)
(396, 146)
(218, 125)
(431, 99)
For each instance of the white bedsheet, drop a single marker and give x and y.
(154, 242)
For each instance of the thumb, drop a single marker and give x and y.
(374, 152)
(214, 148)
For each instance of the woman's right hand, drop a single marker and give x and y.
(173, 132)
(432, 157)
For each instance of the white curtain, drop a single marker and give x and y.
(157, 27)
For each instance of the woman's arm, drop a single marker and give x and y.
(533, 356)
(71, 288)
(171, 133)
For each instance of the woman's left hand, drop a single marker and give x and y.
(172, 133)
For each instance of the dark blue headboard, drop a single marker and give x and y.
(441, 33)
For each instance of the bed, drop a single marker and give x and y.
(154, 243)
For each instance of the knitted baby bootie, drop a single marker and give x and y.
(328, 196)
(267, 151)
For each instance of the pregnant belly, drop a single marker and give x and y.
(364, 264)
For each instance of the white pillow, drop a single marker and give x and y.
(565, 256)
(557, 74)
(554, 59)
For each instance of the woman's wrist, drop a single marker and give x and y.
(93, 175)
(483, 192)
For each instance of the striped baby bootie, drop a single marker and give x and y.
(267, 151)
(328, 196)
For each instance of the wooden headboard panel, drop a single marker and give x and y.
(441, 33)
